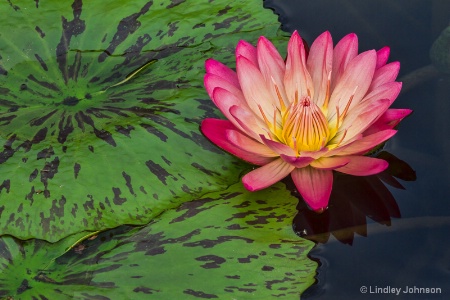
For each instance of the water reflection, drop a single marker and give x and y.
(352, 200)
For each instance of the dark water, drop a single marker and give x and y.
(413, 250)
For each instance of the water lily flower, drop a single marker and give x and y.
(309, 115)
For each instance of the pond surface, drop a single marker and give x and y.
(413, 250)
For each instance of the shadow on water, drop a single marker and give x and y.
(353, 199)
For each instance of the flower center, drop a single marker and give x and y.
(302, 125)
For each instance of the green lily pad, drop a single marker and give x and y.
(100, 105)
(228, 245)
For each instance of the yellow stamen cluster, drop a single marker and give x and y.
(302, 125)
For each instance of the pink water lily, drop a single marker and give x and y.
(306, 116)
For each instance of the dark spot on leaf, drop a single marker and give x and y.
(232, 289)
(39, 30)
(3, 71)
(65, 129)
(76, 169)
(144, 290)
(174, 3)
(7, 119)
(70, 101)
(270, 283)
(204, 170)
(154, 131)
(5, 185)
(74, 210)
(41, 62)
(142, 189)
(124, 130)
(243, 204)
(126, 27)
(267, 268)
(44, 84)
(246, 260)
(117, 199)
(49, 170)
(23, 287)
(8, 152)
(199, 294)
(70, 29)
(45, 153)
(172, 28)
(235, 227)
(56, 212)
(192, 209)
(158, 171)
(223, 11)
(39, 121)
(128, 183)
(213, 261)
(206, 243)
(225, 23)
(89, 205)
(102, 134)
(15, 7)
(200, 25)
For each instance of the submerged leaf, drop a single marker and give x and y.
(100, 105)
(228, 245)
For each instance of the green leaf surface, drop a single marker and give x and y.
(100, 104)
(228, 245)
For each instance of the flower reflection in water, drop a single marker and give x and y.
(352, 200)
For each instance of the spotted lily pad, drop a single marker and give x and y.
(100, 105)
(227, 245)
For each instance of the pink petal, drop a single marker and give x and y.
(298, 162)
(382, 57)
(357, 125)
(314, 185)
(315, 154)
(247, 120)
(388, 120)
(248, 144)
(277, 147)
(319, 64)
(266, 175)
(346, 49)
(388, 90)
(356, 79)
(224, 100)
(363, 166)
(217, 68)
(212, 81)
(297, 79)
(330, 163)
(254, 88)
(385, 74)
(216, 131)
(367, 143)
(248, 51)
(272, 68)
